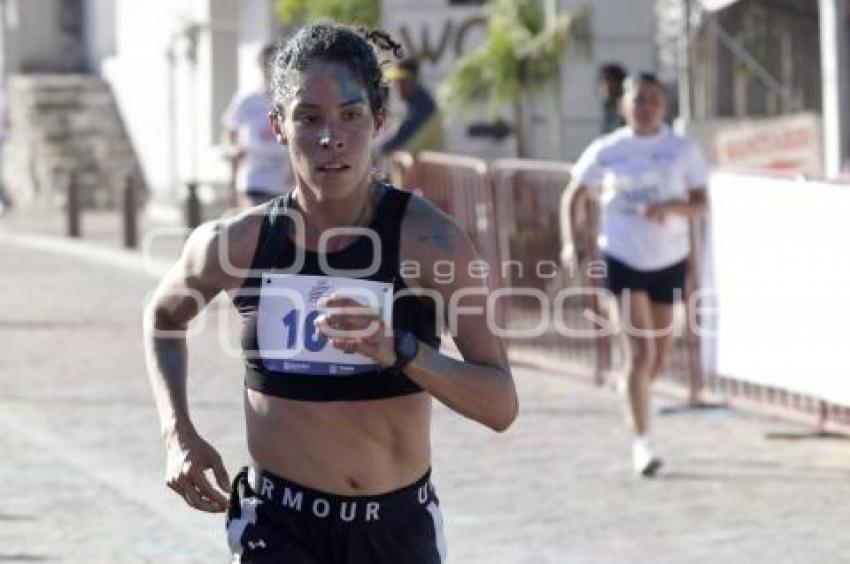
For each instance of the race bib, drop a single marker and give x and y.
(287, 338)
(630, 194)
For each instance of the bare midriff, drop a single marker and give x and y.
(341, 447)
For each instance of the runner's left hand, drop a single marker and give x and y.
(353, 327)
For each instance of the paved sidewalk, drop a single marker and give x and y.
(82, 462)
(161, 233)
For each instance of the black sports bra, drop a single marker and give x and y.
(284, 356)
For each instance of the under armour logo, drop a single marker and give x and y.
(236, 527)
(255, 545)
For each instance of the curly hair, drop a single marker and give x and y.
(359, 49)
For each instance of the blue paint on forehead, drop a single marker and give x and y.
(348, 88)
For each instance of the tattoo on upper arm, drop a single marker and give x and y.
(439, 232)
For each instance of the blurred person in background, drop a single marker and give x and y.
(422, 126)
(260, 166)
(648, 182)
(609, 84)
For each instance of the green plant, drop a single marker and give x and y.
(360, 12)
(520, 51)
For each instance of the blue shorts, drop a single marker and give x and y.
(274, 521)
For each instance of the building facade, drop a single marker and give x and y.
(173, 66)
(564, 116)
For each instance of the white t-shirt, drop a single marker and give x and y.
(266, 164)
(629, 172)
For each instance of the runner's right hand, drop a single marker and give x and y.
(188, 458)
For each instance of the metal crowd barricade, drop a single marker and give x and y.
(528, 197)
(511, 209)
(461, 187)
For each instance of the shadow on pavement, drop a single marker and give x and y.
(678, 409)
(11, 517)
(738, 477)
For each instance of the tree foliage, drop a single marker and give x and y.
(520, 51)
(358, 12)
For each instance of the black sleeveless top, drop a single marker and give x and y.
(276, 251)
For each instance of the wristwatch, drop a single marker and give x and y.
(406, 349)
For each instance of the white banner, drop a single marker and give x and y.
(777, 265)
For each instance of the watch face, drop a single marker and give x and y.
(407, 347)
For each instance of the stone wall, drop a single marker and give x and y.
(64, 123)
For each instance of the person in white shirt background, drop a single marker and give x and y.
(648, 182)
(261, 166)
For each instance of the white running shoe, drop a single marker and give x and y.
(644, 462)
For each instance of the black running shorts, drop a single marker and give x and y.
(274, 521)
(665, 285)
